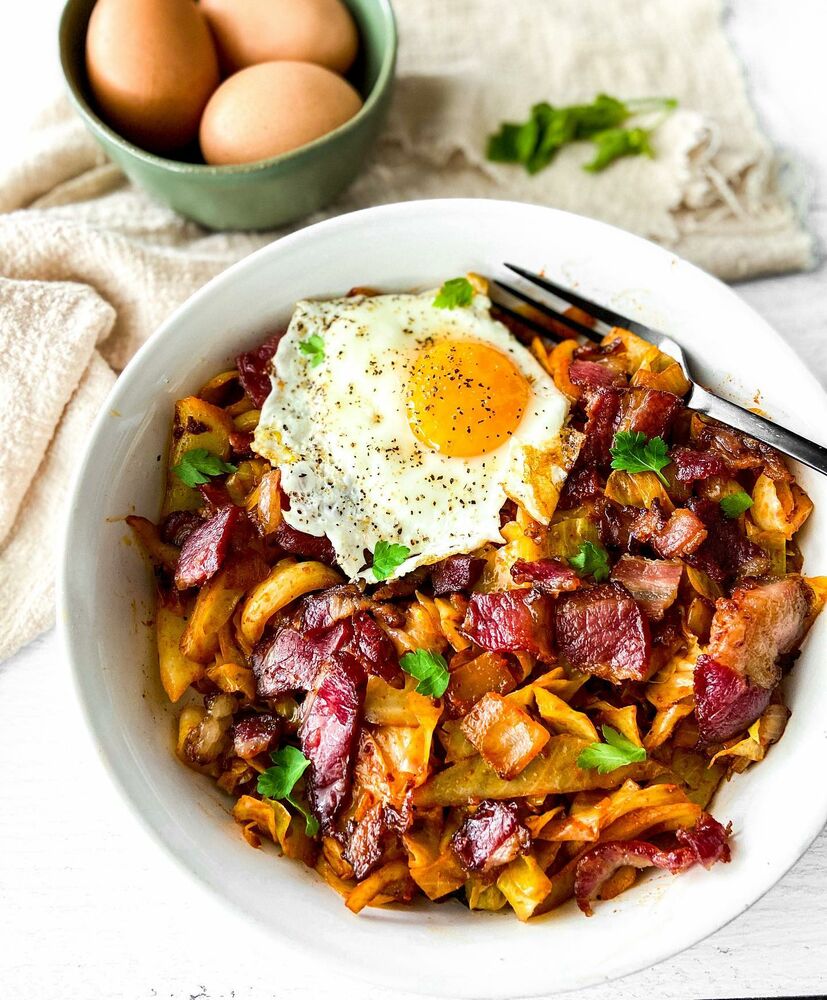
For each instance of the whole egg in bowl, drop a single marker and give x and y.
(396, 419)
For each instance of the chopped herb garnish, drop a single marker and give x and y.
(430, 669)
(632, 451)
(535, 142)
(617, 142)
(617, 751)
(198, 465)
(278, 782)
(313, 347)
(591, 560)
(455, 293)
(734, 504)
(386, 557)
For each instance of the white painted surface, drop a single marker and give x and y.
(90, 907)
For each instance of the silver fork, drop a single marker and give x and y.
(699, 398)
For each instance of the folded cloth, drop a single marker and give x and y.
(90, 265)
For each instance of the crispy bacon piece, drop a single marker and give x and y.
(177, 526)
(402, 586)
(652, 582)
(255, 734)
(692, 465)
(618, 524)
(742, 452)
(704, 844)
(253, 369)
(591, 375)
(372, 647)
(681, 534)
(371, 835)
(582, 484)
(758, 624)
(591, 350)
(329, 733)
(734, 679)
(602, 631)
(727, 551)
(326, 607)
(511, 621)
(650, 411)
(725, 702)
(548, 575)
(602, 414)
(300, 543)
(491, 838)
(455, 573)
(290, 660)
(205, 548)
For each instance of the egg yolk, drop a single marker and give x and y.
(465, 398)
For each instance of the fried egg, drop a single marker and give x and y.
(394, 420)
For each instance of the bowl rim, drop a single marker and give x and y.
(621, 965)
(230, 171)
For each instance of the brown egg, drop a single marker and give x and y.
(254, 31)
(271, 108)
(152, 66)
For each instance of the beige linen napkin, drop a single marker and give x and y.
(89, 265)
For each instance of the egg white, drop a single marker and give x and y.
(352, 466)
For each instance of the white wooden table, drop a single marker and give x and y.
(90, 907)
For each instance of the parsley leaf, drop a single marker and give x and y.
(735, 503)
(632, 451)
(386, 557)
(197, 466)
(617, 751)
(455, 293)
(614, 143)
(313, 347)
(535, 142)
(591, 560)
(430, 669)
(278, 782)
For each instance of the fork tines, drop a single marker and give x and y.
(546, 310)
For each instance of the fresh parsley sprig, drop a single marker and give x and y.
(591, 560)
(386, 557)
(278, 782)
(313, 347)
(430, 669)
(198, 466)
(617, 751)
(455, 293)
(535, 142)
(734, 504)
(632, 451)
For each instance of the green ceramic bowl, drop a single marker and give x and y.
(257, 195)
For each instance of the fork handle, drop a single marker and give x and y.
(785, 440)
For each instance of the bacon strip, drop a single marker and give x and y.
(734, 679)
(455, 573)
(255, 734)
(205, 548)
(548, 575)
(649, 411)
(300, 543)
(328, 735)
(253, 369)
(491, 838)
(704, 844)
(652, 582)
(602, 631)
(511, 621)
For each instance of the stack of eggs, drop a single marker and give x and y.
(155, 68)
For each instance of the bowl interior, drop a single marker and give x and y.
(106, 596)
(369, 74)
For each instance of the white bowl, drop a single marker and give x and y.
(443, 950)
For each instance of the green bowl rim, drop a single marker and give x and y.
(383, 80)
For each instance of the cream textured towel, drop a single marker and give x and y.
(90, 265)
